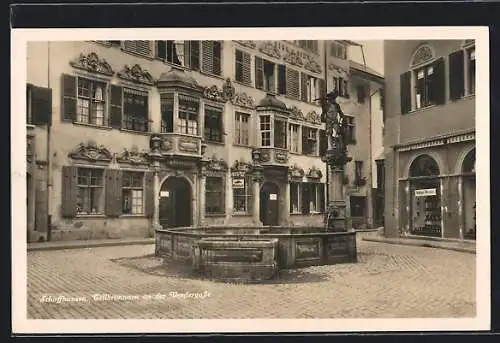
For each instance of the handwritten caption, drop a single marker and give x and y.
(58, 299)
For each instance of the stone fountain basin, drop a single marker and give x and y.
(254, 252)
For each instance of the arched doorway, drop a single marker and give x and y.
(425, 188)
(469, 194)
(175, 203)
(269, 204)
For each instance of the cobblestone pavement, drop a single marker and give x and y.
(388, 281)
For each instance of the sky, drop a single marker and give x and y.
(374, 54)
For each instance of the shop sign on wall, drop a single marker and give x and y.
(425, 192)
(273, 196)
(238, 183)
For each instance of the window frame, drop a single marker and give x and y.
(247, 195)
(265, 130)
(188, 128)
(90, 97)
(146, 120)
(187, 58)
(291, 140)
(298, 195)
(351, 129)
(133, 188)
(220, 113)
(239, 138)
(101, 197)
(308, 129)
(467, 73)
(284, 131)
(209, 192)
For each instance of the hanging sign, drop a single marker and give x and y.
(425, 192)
(238, 183)
(273, 196)
(164, 194)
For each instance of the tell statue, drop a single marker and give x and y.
(334, 119)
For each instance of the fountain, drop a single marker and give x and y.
(253, 254)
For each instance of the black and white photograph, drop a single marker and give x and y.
(232, 180)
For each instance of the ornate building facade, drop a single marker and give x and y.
(430, 138)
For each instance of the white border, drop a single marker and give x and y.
(20, 323)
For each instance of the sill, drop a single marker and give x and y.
(142, 133)
(214, 142)
(133, 53)
(90, 216)
(214, 215)
(183, 134)
(241, 214)
(211, 75)
(295, 153)
(296, 213)
(102, 127)
(421, 109)
(138, 215)
(249, 85)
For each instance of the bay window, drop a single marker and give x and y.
(167, 112)
(280, 134)
(188, 115)
(265, 131)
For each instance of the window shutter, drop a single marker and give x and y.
(323, 144)
(208, 56)
(194, 54)
(281, 79)
(439, 89)
(306, 197)
(116, 106)
(303, 87)
(238, 60)
(346, 88)
(149, 194)
(457, 75)
(41, 105)
(405, 89)
(113, 192)
(69, 191)
(259, 73)
(321, 87)
(293, 83)
(217, 65)
(247, 78)
(68, 106)
(161, 49)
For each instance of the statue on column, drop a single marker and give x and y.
(334, 119)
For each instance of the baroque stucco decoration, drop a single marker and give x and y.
(135, 73)
(159, 144)
(241, 167)
(295, 171)
(314, 173)
(228, 90)
(91, 152)
(132, 157)
(188, 145)
(293, 58)
(247, 43)
(213, 93)
(313, 66)
(422, 55)
(92, 63)
(269, 48)
(281, 156)
(216, 164)
(260, 156)
(243, 100)
(313, 117)
(296, 113)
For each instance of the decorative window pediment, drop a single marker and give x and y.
(270, 49)
(217, 164)
(243, 100)
(296, 113)
(135, 73)
(293, 58)
(240, 168)
(314, 173)
(92, 63)
(91, 152)
(313, 66)
(132, 157)
(247, 43)
(295, 172)
(313, 117)
(213, 93)
(422, 55)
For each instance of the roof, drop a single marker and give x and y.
(371, 73)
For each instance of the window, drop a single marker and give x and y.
(338, 50)
(361, 92)
(179, 52)
(350, 130)
(309, 141)
(471, 70)
(242, 195)
(358, 204)
(91, 101)
(167, 112)
(280, 134)
(211, 57)
(188, 115)
(342, 86)
(358, 170)
(288, 82)
(265, 131)
(214, 195)
(294, 197)
(135, 110)
(312, 85)
(132, 192)
(242, 60)
(90, 196)
(294, 138)
(265, 75)
(241, 128)
(313, 197)
(423, 86)
(311, 45)
(141, 47)
(323, 143)
(213, 124)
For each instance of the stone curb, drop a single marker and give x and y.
(87, 244)
(421, 243)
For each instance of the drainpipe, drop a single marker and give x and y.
(48, 157)
(327, 169)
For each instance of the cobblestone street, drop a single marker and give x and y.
(388, 281)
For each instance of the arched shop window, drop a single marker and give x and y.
(469, 195)
(424, 166)
(469, 164)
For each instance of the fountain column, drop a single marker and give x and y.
(256, 180)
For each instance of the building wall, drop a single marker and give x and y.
(48, 61)
(452, 117)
